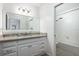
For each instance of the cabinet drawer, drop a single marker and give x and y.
(9, 50)
(8, 44)
(37, 46)
(38, 53)
(25, 41)
(35, 49)
(11, 54)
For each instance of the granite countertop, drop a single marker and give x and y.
(18, 36)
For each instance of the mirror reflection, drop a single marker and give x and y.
(21, 22)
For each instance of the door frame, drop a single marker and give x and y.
(55, 24)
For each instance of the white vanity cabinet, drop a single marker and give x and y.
(24, 47)
(32, 47)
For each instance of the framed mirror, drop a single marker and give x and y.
(18, 22)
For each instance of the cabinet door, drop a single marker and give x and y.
(24, 50)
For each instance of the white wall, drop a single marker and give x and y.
(1, 18)
(65, 7)
(13, 8)
(47, 24)
(67, 29)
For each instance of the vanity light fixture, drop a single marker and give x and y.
(24, 10)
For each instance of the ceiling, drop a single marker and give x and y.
(38, 4)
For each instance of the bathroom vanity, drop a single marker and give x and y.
(17, 38)
(28, 45)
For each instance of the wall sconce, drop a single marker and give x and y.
(24, 10)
